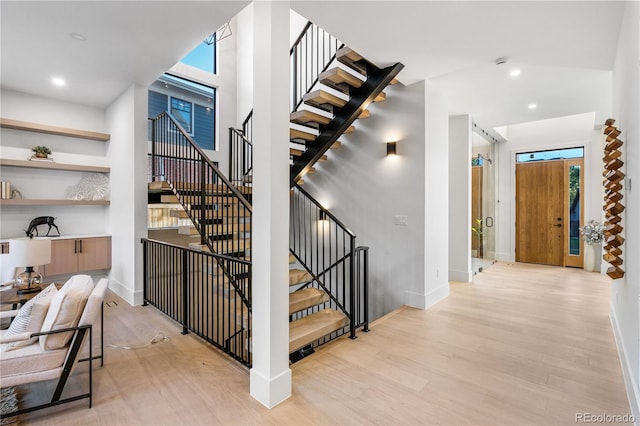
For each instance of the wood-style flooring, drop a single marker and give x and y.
(521, 345)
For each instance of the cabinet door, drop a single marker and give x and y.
(94, 253)
(64, 259)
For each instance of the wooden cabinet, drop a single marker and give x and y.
(69, 256)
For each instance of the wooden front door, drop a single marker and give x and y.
(540, 212)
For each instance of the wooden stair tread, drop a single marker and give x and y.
(216, 229)
(225, 246)
(381, 97)
(209, 214)
(312, 327)
(339, 79)
(298, 152)
(299, 134)
(195, 199)
(305, 116)
(352, 59)
(365, 114)
(336, 145)
(211, 189)
(292, 258)
(350, 129)
(306, 298)
(169, 199)
(299, 276)
(320, 98)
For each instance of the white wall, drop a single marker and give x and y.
(244, 58)
(49, 184)
(366, 190)
(127, 123)
(460, 198)
(562, 132)
(436, 283)
(245, 55)
(626, 111)
(225, 82)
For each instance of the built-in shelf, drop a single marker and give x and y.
(35, 164)
(23, 202)
(53, 130)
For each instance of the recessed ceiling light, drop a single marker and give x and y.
(533, 106)
(58, 81)
(77, 36)
(514, 73)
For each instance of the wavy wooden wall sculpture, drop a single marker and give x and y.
(613, 208)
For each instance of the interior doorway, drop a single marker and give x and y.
(483, 204)
(550, 207)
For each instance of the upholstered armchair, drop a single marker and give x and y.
(47, 336)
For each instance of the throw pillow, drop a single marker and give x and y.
(64, 312)
(30, 317)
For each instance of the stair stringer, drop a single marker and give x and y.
(377, 80)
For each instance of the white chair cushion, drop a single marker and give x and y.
(28, 359)
(30, 317)
(65, 311)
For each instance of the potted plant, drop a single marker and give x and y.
(477, 231)
(592, 234)
(41, 151)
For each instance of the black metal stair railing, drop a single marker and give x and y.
(326, 248)
(218, 210)
(311, 54)
(247, 126)
(191, 287)
(240, 158)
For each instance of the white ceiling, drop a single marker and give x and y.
(127, 42)
(565, 49)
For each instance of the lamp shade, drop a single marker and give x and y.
(30, 251)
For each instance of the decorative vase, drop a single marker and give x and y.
(589, 257)
(592, 257)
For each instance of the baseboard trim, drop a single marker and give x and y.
(270, 391)
(460, 276)
(435, 296)
(134, 298)
(630, 382)
(415, 300)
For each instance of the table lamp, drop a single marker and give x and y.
(29, 252)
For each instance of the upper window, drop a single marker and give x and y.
(182, 112)
(202, 57)
(553, 154)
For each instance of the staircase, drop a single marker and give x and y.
(328, 273)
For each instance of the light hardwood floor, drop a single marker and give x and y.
(521, 345)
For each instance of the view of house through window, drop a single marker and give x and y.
(191, 104)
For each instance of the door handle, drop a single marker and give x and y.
(558, 225)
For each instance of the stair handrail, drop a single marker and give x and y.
(240, 156)
(174, 136)
(303, 76)
(204, 158)
(247, 126)
(345, 257)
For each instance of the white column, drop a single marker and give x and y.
(436, 197)
(460, 198)
(270, 375)
(127, 152)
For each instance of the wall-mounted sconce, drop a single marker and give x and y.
(391, 148)
(323, 216)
